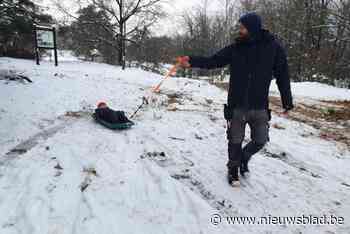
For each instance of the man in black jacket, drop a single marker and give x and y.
(254, 58)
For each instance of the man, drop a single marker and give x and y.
(254, 58)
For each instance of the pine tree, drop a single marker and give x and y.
(17, 18)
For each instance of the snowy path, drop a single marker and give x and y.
(165, 175)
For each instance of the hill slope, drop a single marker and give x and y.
(165, 175)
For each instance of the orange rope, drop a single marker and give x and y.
(171, 72)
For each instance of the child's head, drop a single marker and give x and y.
(102, 105)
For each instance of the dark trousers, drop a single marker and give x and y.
(258, 121)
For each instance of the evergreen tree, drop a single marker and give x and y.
(17, 19)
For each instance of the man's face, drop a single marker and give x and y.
(243, 31)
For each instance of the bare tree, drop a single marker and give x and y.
(127, 18)
(316, 34)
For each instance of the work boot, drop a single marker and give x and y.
(232, 176)
(244, 167)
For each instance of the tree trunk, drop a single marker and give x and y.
(121, 48)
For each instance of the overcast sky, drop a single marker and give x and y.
(176, 8)
(169, 25)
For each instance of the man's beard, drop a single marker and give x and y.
(243, 36)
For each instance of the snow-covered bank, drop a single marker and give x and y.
(165, 175)
(316, 90)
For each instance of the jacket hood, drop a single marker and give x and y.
(252, 22)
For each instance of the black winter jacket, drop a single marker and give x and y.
(253, 64)
(111, 116)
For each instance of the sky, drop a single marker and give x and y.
(175, 9)
(166, 26)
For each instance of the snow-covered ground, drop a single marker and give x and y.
(165, 175)
(63, 55)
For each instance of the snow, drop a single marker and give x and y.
(316, 90)
(137, 190)
(62, 55)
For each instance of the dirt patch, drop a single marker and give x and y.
(222, 85)
(324, 110)
(331, 120)
(339, 111)
(77, 114)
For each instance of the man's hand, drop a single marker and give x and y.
(228, 130)
(183, 61)
(284, 114)
(286, 110)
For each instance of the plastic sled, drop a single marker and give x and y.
(113, 126)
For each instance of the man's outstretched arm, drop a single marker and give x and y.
(220, 59)
(281, 73)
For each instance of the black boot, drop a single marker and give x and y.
(248, 151)
(232, 175)
(244, 167)
(235, 155)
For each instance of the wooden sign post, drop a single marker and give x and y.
(45, 38)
